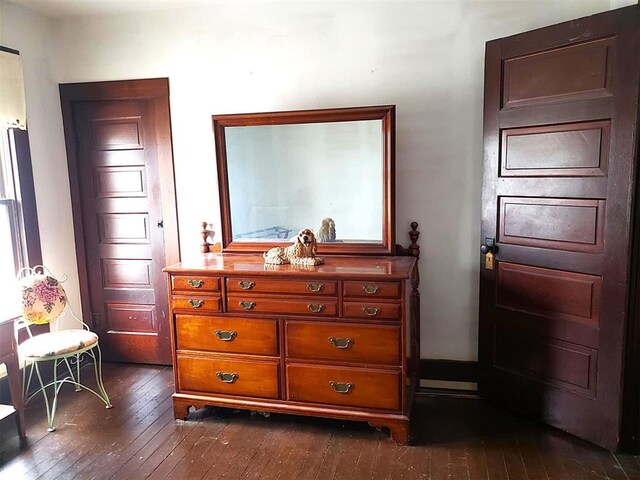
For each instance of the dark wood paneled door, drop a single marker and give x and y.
(117, 143)
(560, 126)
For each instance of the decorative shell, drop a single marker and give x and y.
(43, 299)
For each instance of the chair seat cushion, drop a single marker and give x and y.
(57, 343)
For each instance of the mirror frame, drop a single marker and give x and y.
(385, 113)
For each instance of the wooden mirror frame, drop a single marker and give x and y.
(385, 113)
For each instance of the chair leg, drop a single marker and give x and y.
(50, 414)
(78, 372)
(97, 365)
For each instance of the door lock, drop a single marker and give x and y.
(489, 248)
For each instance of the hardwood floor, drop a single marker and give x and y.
(138, 438)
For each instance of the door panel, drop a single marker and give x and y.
(560, 121)
(121, 174)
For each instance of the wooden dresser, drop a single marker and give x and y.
(338, 340)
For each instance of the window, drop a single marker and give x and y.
(13, 253)
(19, 237)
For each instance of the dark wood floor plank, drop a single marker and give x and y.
(513, 461)
(193, 446)
(453, 439)
(385, 460)
(261, 433)
(110, 424)
(531, 458)
(78, 412)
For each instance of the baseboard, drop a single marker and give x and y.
(449, 370)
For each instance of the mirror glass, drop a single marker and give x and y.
(325, 176)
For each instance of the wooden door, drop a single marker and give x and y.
(119, 146)
(560, 127)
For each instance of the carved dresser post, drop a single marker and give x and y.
(204, 233)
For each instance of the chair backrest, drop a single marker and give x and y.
(43, 297)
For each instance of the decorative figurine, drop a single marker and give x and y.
(326, 231)
(302, 252)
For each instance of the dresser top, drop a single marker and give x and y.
(381, 268)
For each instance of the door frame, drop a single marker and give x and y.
(157, 91)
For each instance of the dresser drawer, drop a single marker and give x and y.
(227, 334)
(358, 387)
(372, 310)
(285, 287)
(372, 289)
(194, 283)
(323, 307)
(196, 303)
(343, 342)
(230, 377)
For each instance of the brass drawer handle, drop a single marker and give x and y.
(226, 335)
(246, 285)
(371, 311)
(195, 283)
(341, 387)
(227, 377)
(370, 289)
(341, 342)
(196, 303)
(247, 305)
(315, 308)
(315, 287)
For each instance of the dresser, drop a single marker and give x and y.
(338, 340)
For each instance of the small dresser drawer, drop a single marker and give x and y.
(324, 307)
(343, 342)
(194, 283)
(372, 310)
(196, 303)
(372, 289)
(357, 387)
(227, 334)
(229, 377)
(286, 287)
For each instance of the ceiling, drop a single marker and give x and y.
(72, 8)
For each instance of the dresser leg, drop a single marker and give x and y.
(180, 409)
(399, 429)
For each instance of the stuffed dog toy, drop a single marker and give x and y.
(302, 252)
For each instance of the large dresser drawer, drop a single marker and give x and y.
(343, 342)
(268, 285)
(230, 377)
(227, 334)
(195, 283)
(196, 303)
(372, 310)
(325, 307)
(372, 289)
(357, 387)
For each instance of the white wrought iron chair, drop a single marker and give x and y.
(43, 301)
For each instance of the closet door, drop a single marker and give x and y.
(560, 126)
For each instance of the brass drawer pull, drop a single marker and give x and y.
(246, 285)
(341, 342)
(315, 307)
(371, 311)
(247, 305)
(341, 387)
(195, 283)
(196, 303)
(227, 377)
(226, 335)
(370, 289)
(315, 287)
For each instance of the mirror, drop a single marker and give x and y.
(327, 170)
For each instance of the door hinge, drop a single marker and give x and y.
(95, 320)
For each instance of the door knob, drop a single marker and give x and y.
(489, 245)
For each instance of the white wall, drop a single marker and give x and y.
(424, 56)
